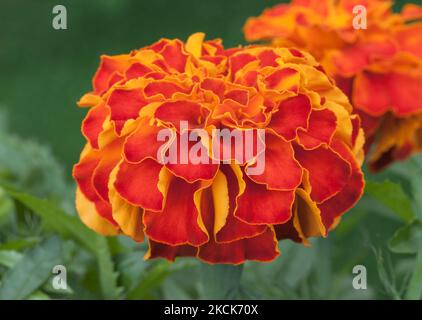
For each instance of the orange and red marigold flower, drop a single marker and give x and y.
(216, 211)
(379, 68)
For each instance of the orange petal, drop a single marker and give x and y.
(91, 217)
(284, 79)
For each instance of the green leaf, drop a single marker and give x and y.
(56, 219)
(69, 226)
(107, 275)
(9, 258)
(30, 272)
(392, 196)
(220, 281)
(407, 239)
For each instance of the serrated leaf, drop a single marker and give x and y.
(106, 269)
(407, 239)
(30, 272)
(392, 196)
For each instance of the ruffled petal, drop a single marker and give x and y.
(322, 126)
(334, 207)
(161, 250)
(179, 222)
(273, 207)
(138, 183)
(293, 113)
(328, 172)
(281, 170)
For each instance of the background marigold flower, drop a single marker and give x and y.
(217, 212)
(379, 68)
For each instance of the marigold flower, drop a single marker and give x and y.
(217, 211)
(379, 68)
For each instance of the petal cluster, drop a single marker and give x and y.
(379, 67)
(216, 211)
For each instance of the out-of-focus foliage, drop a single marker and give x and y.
(37, 219)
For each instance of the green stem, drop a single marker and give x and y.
(220, 281)
(414, 290)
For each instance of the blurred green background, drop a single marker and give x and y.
(43, 72)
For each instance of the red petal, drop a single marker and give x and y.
(293, 113)
(174, 56)
(349, 195)
(178, 223)
(126, 104)
(328, 172)
(273, 206)
(235, 229)
(281, 170)
(322, 125)
(137, 70)
(82, 173)
(217, 86)
(377, 93)
(238, 61)
(143, 143)
(92, 125)
(283, 79)
(268, 58)
(161, 250)
(109, 65)
(175, 111)
(137, 183)
(166, 88)
(260, 248)
(406, 93)
(287, 231)
(180, 161)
